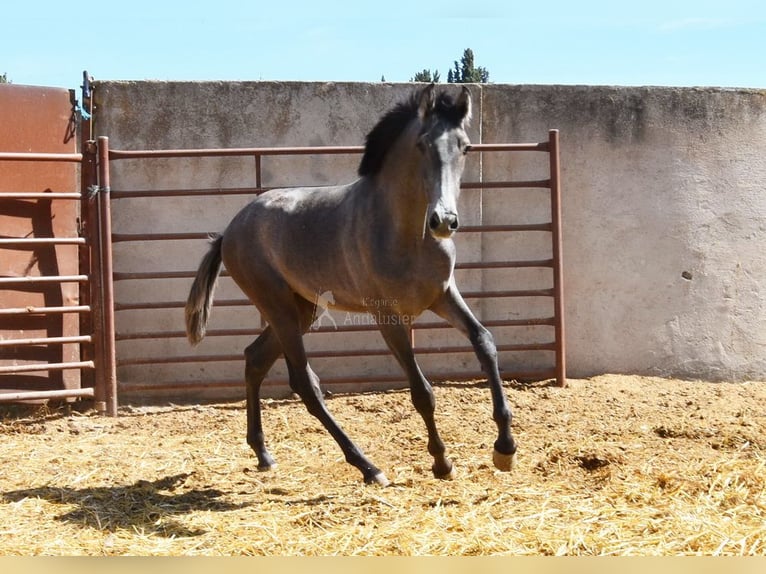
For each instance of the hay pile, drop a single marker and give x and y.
(612, 465)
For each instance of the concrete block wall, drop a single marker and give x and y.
(663, 211)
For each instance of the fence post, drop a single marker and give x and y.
(107, 284)
(558, 280)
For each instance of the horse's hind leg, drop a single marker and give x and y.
(397, 337)
(285, 315)
(259, 358)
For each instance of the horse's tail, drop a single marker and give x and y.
(200, 299)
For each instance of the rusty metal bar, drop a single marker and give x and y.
(332, 353)
(107, 286)
(13, 396)
(296, 150)
(531, 183)
(201, 192)
(536, 375)
(95, 266)
(505, 228)
(558, 272)
(44, 310)
(45, 367)
(254, 332)
(125, 237)
(45, 340)
(232, 152)
(504, 264)
(247, 303)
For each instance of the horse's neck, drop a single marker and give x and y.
(401, 197)
(400, 203)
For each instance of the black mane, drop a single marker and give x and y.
(392, 124)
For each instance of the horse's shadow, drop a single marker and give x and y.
(146, 507)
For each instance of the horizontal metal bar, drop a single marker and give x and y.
(24, 156)
(11, 396)
(42, 241)
(4, 369)
(169, 193)
(331, 354)
(246, 303)
(120, 237)
(233, 152)
(209, 192)
(45, 340)
(44, 279)
(506, 228)
(120, 276)
(140, 306)
(302, 150)
(45, 310)
(488, 147)
(504, 264)
(351, 328)
(508, 293)
(530, 183)
(126, 237)
(531, 375)
(40, 195)
(140, 275)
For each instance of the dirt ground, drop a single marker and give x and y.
(609, 465)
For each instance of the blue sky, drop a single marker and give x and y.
(644, 42)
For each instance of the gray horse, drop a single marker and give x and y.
(381, 245)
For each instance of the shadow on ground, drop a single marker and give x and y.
(146, 507)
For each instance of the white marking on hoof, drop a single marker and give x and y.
(449, 476)
(504, 462)
(380, 479)
(267, 467)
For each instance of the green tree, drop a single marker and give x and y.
(466, 72)
(4, 78)
(426, 76)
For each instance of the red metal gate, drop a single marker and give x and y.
(145, 382)
(53, 341)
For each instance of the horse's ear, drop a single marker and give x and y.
(427, 101)
(463, 105)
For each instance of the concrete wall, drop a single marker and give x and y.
(663, 211)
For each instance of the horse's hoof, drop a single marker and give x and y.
(442, 474)
(504, 462)
(267, 467)
(379, 479)
(449, 475)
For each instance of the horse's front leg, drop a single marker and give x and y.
(453, 308)
(396, 333)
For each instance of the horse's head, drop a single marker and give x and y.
(442, 141)
(421, 144)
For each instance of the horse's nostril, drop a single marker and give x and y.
(434, 221)
(454, 224)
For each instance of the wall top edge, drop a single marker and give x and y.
(552, 86)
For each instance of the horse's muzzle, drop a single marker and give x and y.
(443, 225)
